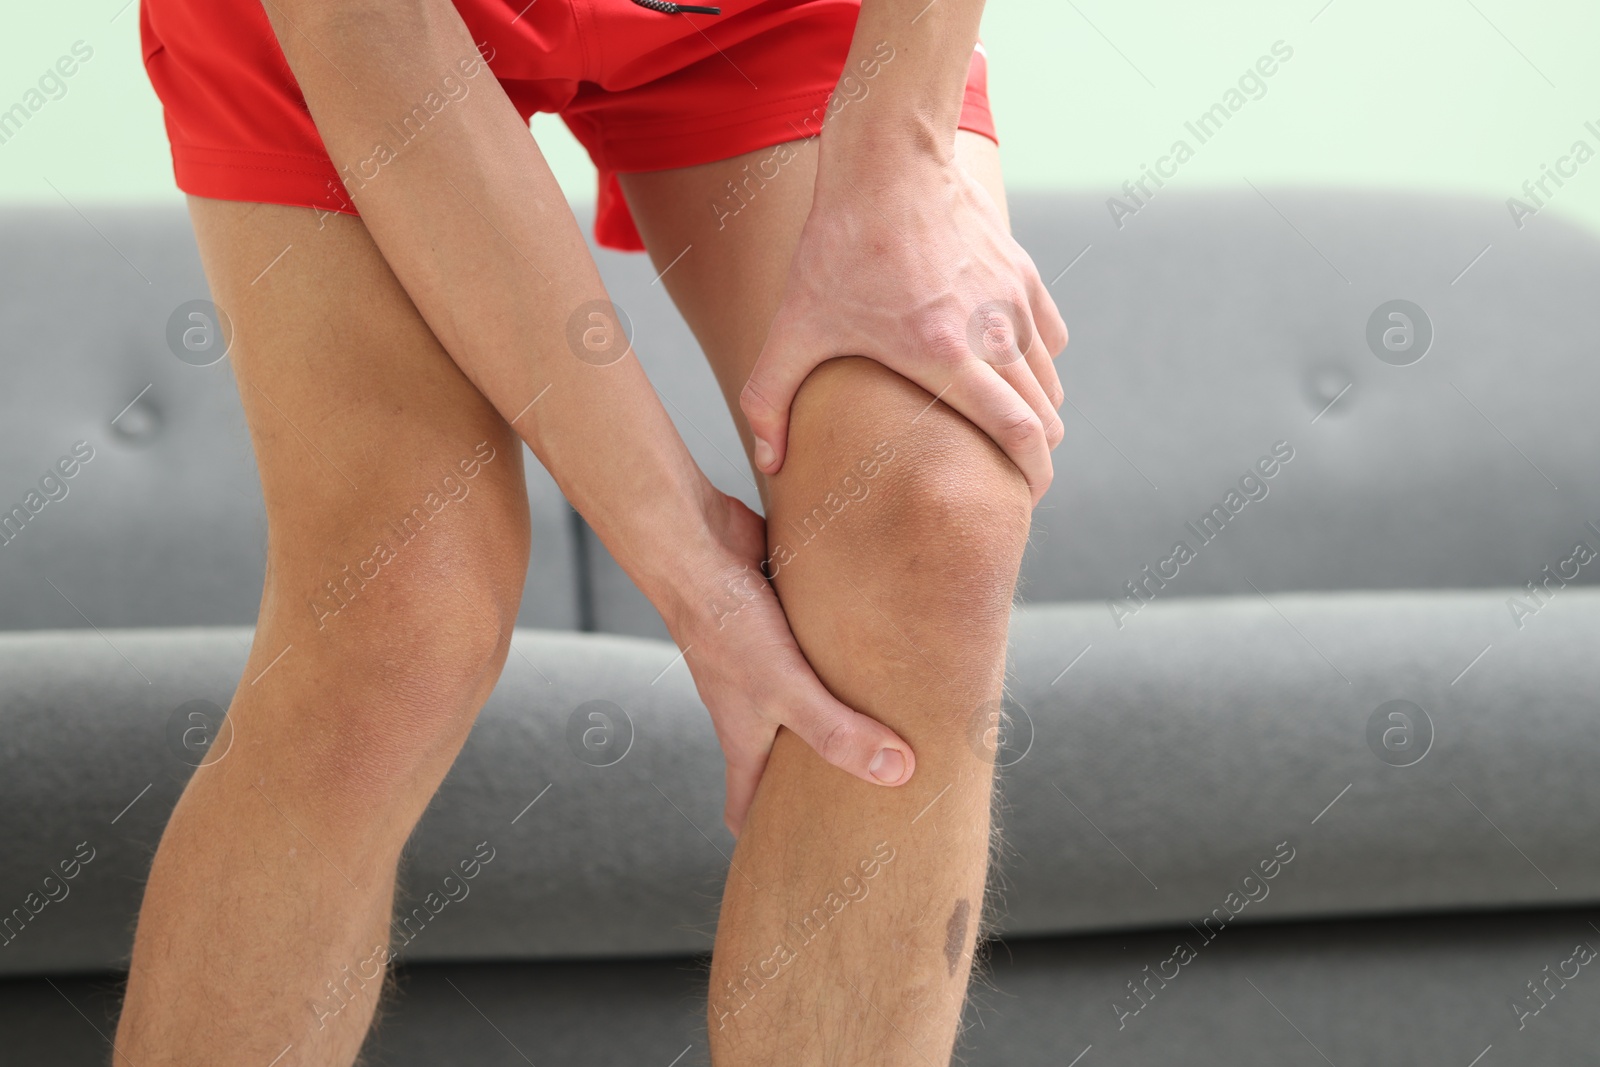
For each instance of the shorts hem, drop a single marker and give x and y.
(294, 180)
(616, 152)
(260, 177)
(635, 147)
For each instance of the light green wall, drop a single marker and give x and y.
(1461, 95)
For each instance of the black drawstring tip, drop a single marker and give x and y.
(669, 7)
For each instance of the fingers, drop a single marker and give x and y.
(1024, 379)
(997, 405)
(1002, 334)
(783, 364)
(1048, 340)
(856, 743)
(1047, 317)
(1012, 346)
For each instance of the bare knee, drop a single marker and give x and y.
(923, 505)
(401, 629)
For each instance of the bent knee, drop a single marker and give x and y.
(414, 603)
(916, 492)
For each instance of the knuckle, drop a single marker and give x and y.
(1042, 483)
(943, 342)
(753, 402)
(1019, 431)
(1001, 329)
(1054, 391)
(1026, 324)
(834, 742)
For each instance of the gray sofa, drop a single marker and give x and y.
(1322, 787)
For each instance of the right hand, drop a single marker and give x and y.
(753, 678)
(910, 262)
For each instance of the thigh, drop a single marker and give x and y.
(730, 283)
(365, 432)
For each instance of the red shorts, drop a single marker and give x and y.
(639, 89)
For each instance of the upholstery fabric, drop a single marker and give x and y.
(1143, 785)
(164, 526)
(1410, 991)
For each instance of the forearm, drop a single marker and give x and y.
(473, 224)
(913, 101)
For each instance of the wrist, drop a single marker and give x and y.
(898, 100)
(884, 185)
(719, 574)
(893, 144)
(670, 545)
(688, 560)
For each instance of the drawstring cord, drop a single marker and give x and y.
(668, 7)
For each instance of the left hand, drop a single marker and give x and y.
(912, 265)
(751, 674)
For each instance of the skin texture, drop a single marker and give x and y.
(900, 601)
(478, 234)
(955, 933)
(356, 414)
(377, 356)
(480, 237)
(339, 743)
(905, 259)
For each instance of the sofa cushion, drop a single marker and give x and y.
(1215, 325)
(1220, 753)
(163, 524)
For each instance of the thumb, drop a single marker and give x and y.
(768, 393)
(855, 743)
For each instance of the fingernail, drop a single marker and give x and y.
(887, 766)
(764, 454)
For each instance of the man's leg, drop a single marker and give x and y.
(393, 578)
(896, 529)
